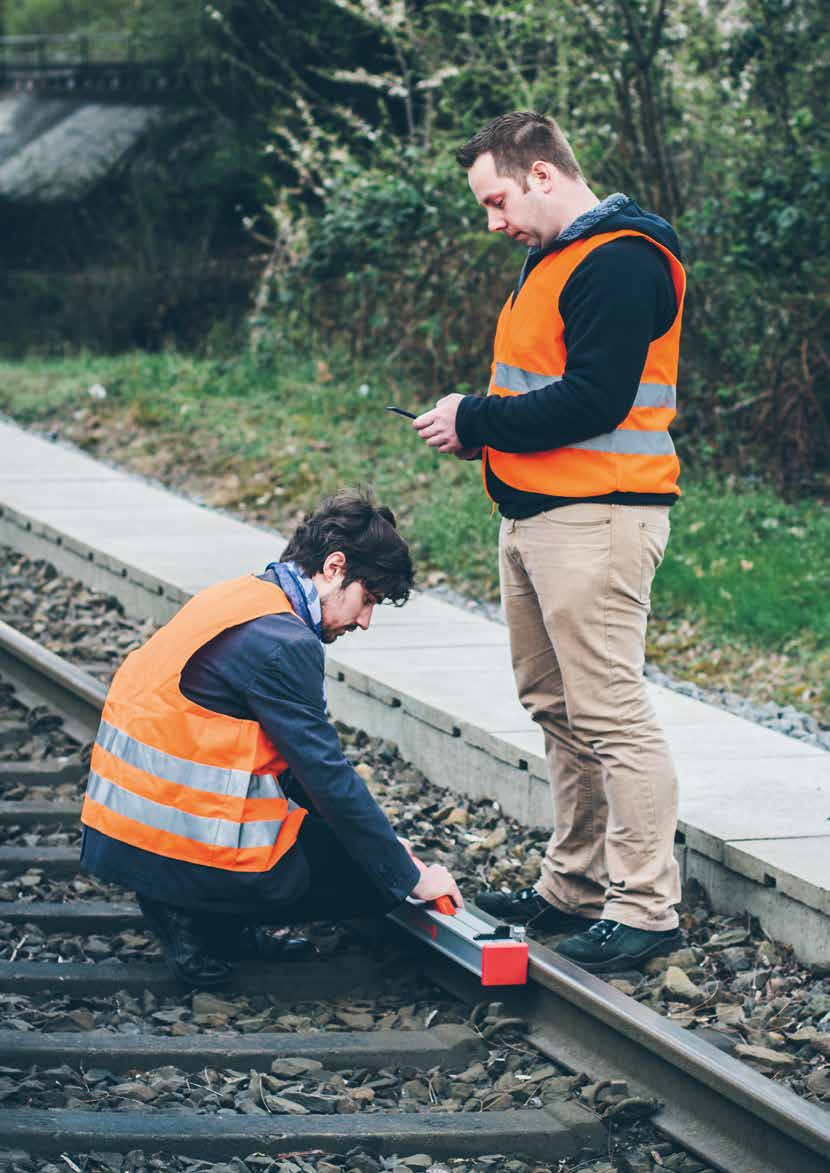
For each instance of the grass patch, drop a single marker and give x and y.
(742, 590)
(754, 565)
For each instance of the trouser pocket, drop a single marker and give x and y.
(654, 538)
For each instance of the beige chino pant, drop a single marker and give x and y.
(575, 584)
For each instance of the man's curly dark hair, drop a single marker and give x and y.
(351, 521)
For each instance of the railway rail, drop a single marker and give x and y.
(733, 1118)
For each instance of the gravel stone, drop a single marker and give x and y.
(677, 984)
(290, 1068)
(765, 1055)
(282, 1104)
(134, 1091)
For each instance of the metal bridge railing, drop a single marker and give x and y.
(62, 49)
(109, 64)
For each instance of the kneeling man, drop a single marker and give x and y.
(218, 789)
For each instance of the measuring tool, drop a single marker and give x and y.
(498, 955)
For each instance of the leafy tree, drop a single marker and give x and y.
(760, 257)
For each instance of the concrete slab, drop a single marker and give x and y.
(26, 457)
(185, 550)
(448, 702)
(19, 469)
(525, 751)
(530, 742)
(101, 525)
(673, 708)
(483, 706)
(404, 638)
(421, 610)
(782, 918)
(724, 736)
(757, 799)
(799, 868)
(733, 740)
(459, 663)
(82, 494)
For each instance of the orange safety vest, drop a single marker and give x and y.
(176, 779)
(530, 353)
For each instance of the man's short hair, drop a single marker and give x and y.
(516, 141)
(351, 521)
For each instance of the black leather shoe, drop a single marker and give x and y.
(529, 908)
(256, 943)
(185, 948)
(608, 947)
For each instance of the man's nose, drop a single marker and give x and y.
(365, 618)
(495, 221)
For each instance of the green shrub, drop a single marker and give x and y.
(399, 272)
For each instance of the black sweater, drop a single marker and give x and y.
(616, 302)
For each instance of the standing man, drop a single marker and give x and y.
(575, 450)
(218, 790)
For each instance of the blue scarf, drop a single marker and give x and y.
(301, 592)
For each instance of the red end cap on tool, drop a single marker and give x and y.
(504, 963)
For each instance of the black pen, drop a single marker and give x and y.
(410, 415)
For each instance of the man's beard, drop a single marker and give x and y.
(329, 634)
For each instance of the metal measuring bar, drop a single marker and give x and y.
(498, 955)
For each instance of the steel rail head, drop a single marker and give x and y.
(79, 696)
(73, 680)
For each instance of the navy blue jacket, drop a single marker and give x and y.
(269, 670)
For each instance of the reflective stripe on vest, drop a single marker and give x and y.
(515, 379)
(179, 770)
(530, 354)
(218, 832)
(629, 442)
(171, 777)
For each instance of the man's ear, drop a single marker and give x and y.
(541, 175)
(334, 565)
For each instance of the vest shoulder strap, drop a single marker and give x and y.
(208, 614)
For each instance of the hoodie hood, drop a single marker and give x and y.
(614, 214)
